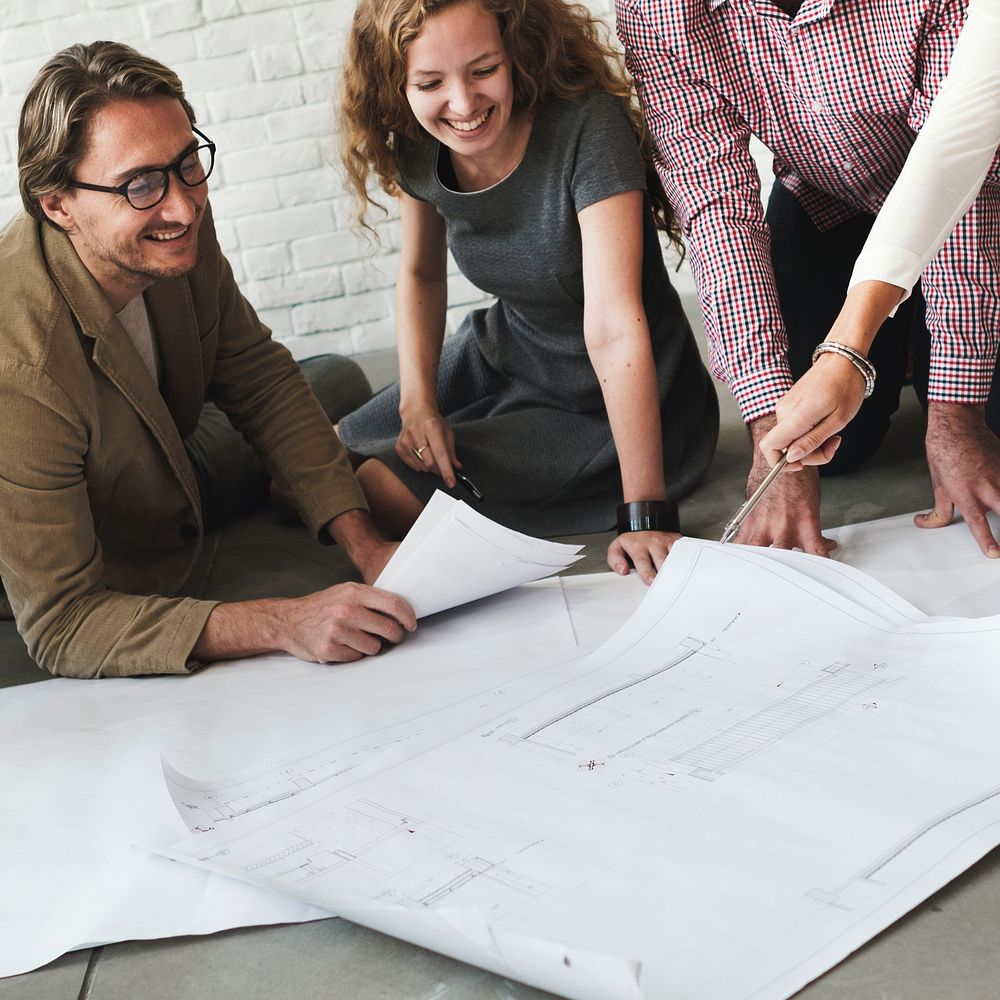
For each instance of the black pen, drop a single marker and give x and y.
(473, 489)
(469, 485)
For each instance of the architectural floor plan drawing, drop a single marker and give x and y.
(768, 764)
(603, 726)
(101, 778)
(875, 873)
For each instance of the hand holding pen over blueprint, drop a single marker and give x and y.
(453, 555)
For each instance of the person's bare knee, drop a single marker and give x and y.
(393, 506)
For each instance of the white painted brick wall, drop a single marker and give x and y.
(260, 74)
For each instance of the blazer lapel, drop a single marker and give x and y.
(115, 355)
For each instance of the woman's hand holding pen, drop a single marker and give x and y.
(810, 415)
(824, 401)
(426, 443)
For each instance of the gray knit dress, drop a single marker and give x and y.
(515, 382)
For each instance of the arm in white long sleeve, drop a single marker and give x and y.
(948, 163)
(937, 218)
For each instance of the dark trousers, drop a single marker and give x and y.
(812, 270)
(231, 478)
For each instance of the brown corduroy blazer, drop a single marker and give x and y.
(100, 521)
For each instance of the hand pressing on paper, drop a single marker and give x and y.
(344, 623)
(426, 443)
(787, 516)
(337, 625)
(646, 551)
(963, 456)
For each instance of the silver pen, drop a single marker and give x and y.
(741, 515)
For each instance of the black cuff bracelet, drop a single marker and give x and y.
(648, 515)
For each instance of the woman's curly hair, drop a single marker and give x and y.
(557, 49)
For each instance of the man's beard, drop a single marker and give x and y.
(141, 274)
(128, 266)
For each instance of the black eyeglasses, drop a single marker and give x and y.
(148, 189)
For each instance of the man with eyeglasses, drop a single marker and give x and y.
(121, 319)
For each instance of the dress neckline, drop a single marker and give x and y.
(444, 170)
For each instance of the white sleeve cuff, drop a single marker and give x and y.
(893, 265)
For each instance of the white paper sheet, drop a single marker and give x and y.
(81, 770)
(80, 761)
(453, 555)
(942, 570)
(745, 783)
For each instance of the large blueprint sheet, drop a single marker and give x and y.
(80, 761)
(772, 761)
(82, 779)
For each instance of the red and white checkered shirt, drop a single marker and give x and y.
(837, 94)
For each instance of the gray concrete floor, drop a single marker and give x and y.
(946, 948)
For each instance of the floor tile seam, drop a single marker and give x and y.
(90, 975)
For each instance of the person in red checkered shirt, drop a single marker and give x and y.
(837, 91)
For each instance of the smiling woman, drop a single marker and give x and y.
(467, 104)
(508, 130)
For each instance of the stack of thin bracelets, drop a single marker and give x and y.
(863, 365)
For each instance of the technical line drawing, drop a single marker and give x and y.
(692, 646)
(379, 841)
(671, 799)
(612, 723)
(508, 889)
(391, 853)
(246, 798)
(818, 700)
(868, 874)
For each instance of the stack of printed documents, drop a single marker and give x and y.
(453, 555)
